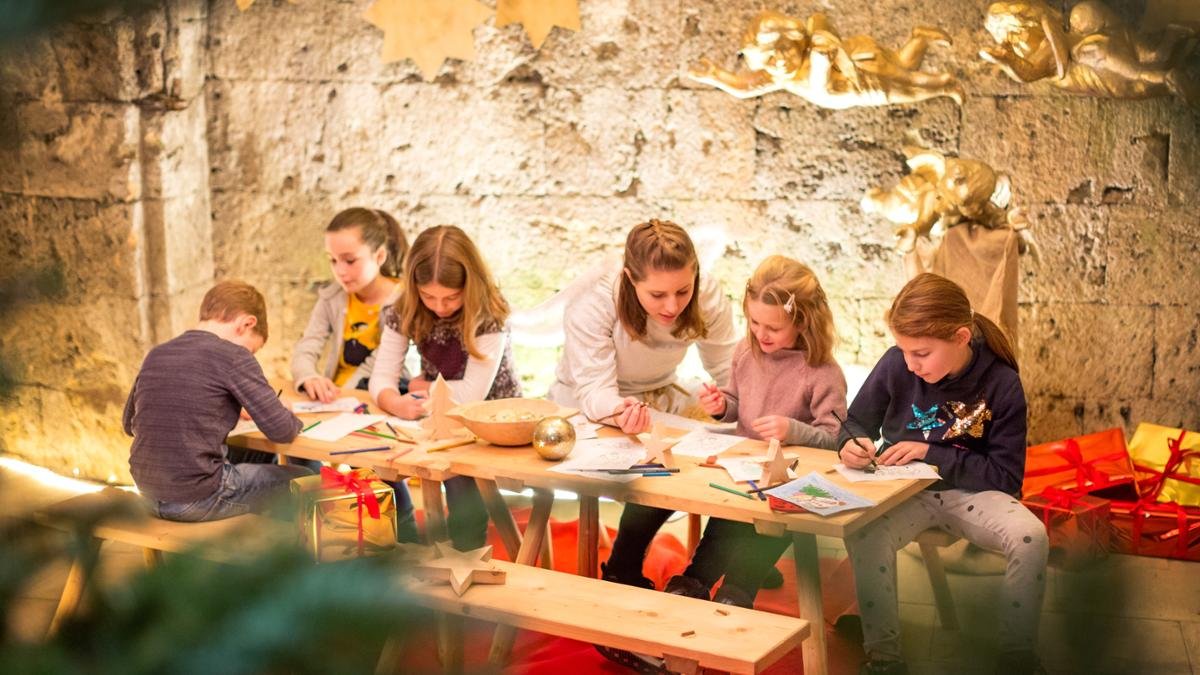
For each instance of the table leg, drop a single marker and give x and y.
(693, 533)
(589, 536)
(531, 545)
(435, 512)
(498, 511)
(547, 557)
(450, 642)
(808, 585)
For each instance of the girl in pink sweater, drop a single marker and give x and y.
(785, 385)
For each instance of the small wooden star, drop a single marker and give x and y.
(968, 419)
(775, 468)
(658, 446)
(427, 31)
(460, 568)
(538, 16)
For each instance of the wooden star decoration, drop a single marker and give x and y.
(538, 16)
(460, 568)
(427, 31)
(775, 468)
(658, 446)
(438, 424)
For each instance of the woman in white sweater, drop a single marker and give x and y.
(626, 334)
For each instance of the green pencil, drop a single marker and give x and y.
(730, 490)
(310, 426)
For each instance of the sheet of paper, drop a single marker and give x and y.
(745, 469)
(337, 428)
(603, 453)
(584, 429)
(344, 404)
(816, 494)
(701, 443)
(244, 427)
(911, 470)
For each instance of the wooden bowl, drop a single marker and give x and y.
(507, 421)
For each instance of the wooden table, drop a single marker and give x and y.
(515, 469)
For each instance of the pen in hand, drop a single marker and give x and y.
(870, 468)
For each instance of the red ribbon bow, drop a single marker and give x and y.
(1143, 508)
(361, 487)
(1085, 469)
(1057, 498)
(1171, 469)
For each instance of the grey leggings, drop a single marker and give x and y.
(992, 520)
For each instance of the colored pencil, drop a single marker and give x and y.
(358, 450)
(870, 468)
(310, 426)
(756, 490)
(730, 490)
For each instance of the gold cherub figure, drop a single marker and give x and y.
(809, 59)
(942, 192)
(1099, 55)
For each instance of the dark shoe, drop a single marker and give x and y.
(849, 626)
(774, 578)
(728, 594)
(687, 586)
(878, 667)
(637, 662)
(1019, 663)
(639, 580)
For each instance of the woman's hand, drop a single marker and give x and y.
(418, 385)
(633, 416)
(712, 400)
(903, 452)
(320, 389)
(771, 426)
(407, 406)
(854, 456)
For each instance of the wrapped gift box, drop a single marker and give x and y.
(345, 515)
(1087, 464)
(1153, 529)
(1078, 525)
(1166, 463)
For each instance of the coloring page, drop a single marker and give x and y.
(908, 471)
(814, 493)
(701, 443)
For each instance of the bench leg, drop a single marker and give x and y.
(435, 512)
(152, 556)
(808, 584)
(693, 533)
(681, 664)
(547, 556)
(535, 532)
(391, 658)
(941, 587)
(498, 511)
(450, 642)
(75, 586)
(588, 563)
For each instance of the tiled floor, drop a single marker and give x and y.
(1125, 615)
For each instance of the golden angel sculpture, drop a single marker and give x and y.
(1099, 54)
(941, 192)
(809, 59)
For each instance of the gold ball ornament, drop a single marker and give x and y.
(553, 438)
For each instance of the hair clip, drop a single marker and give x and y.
(790, 305)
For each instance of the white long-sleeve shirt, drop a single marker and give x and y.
(477, 378)
(602, 363)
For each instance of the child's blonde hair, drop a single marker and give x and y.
(445, 255)
(933, 306)
(659, 245)
(378, 229)
(229, 299)
(792, 286)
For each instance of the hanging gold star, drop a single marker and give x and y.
(427, 31)
(538, 16)
(968, 420)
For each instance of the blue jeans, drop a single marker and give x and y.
(243, 488)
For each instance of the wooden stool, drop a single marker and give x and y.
(930, 541)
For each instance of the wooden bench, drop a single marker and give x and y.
(686, 632)
(930, 541)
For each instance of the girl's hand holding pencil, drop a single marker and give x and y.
(632, 416)
(712, 400)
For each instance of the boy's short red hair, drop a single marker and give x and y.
(230, 299)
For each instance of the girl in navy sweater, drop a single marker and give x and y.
(947, 394)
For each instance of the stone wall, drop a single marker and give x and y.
(549, 157)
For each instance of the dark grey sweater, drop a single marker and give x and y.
(183, 404)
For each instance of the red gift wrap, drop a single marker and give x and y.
(1149, 528)
(1079, 526)
(1084, 464)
